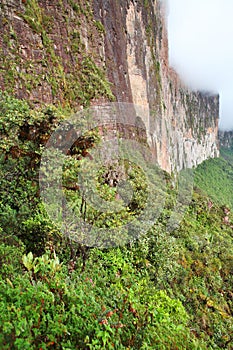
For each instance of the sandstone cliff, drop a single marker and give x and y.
(226, 139)
(68, 51)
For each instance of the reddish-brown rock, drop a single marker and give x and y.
(58, 51)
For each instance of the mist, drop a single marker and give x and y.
(200, 34)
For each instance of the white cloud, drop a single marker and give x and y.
(201, 48)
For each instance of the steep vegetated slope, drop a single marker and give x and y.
(166, 290)
(215, 176)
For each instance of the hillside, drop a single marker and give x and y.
(169, 289)
(215, 177)
(107, 239)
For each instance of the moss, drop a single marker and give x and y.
(33, 15)
(157, 71)
(100, 27)
(76, 7)
(13, 34)
(150, 27)
(148, 30)
(74, 84)
(146, 4)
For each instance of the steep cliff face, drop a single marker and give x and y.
(181, 125)
(51, 52)
(226, 139)
(66, 51)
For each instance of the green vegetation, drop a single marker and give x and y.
(163, 290)
(72, 82)
(215, 178)
(167, 290)
(23, 132)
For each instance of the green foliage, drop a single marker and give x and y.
(34, 16)
(162, 291)
(10, 257)
(73, 84)
(23, 133)
(47, 305)
(93, 82)
(95, 196)
(144, 296)
(205, 274)
(215, 178)
(100, 27)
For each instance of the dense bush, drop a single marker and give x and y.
(23, 133)
(167, 290)
(215, 178)
(109, 305)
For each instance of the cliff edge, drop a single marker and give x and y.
(226, 139)
(81, 53)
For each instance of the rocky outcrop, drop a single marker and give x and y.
(52, 52)
(182, 125)
(226, 139)
(66, 51)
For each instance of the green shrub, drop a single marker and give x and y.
(47, 306)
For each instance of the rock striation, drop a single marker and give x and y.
(182, 125)
(226, 139)
(79, 52)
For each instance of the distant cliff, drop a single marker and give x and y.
(81, 52)
(226, 139)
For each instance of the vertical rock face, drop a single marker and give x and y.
(226, 139)
(52, 52)
(182, 126)
(63, 51)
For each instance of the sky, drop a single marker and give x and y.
(200, 34)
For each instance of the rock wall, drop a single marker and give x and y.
(182, 126)
(51, 51)
(66, 51)
(226, 139)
